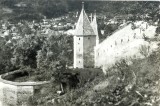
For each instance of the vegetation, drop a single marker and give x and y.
(124, 85)
(144, 50)
(38, 52)
(38, 9)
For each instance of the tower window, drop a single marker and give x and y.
(79, 61)
(79, 38)
(121, 40)
(134, 36)
(115, 43)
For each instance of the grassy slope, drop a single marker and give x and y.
(134, 85)
(123, 91)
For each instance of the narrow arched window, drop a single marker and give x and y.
(134, 36)
(115, 43)
(121, 40)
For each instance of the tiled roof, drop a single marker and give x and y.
(83, 26)
(94, 25)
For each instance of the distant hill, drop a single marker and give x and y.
(37, 9)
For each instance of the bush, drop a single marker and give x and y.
(144, 50)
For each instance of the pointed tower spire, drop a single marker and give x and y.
(91, 17)
(95, 12)
(83, 5)
(83, 26)
(95, 28)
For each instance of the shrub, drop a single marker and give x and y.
(144, 50)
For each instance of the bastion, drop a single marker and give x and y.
(17, 93)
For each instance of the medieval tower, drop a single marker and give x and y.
(85, 39)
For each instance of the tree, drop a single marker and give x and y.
(25, 51)
(158, 30)
(5, 56)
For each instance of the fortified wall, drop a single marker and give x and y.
(17, 93)
(125, 43)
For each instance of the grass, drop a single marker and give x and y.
(126, 85)
(85, 76)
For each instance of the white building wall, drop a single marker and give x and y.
(123, 44)
(78, 52)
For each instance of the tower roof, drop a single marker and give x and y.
(94, 24)
(83, 26)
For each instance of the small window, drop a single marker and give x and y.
(121, 40)
(88, 38)
(79, 61)
(79, 49)
(115, 43)
(78, 43)
(79, 38)
(134, 36)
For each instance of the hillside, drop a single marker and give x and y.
(136, 84)
(38, 9)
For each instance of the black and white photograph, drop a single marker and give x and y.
(79, 53)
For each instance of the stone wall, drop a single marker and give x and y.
(88, 56)
(78, 52)
(17, 93)
(84, 51)
(125, 43)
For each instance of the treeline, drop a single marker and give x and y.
(37, 52)
(55, 8)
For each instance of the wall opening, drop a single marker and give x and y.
(134, 36)
(115, 43)
(121, 40)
